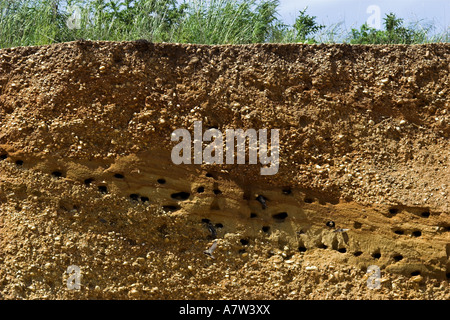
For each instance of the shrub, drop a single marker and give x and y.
(394, 33)
(306, 25)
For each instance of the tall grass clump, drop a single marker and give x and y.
(28, 22)
(226, 22)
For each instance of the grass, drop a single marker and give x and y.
(33, 22)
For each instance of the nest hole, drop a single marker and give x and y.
(134, 196)
(88, 181)
(218, 225)
(180, 196)
(397, 257)
(415, 273)
(19, 162)
(357, 225)
(57, 174)
(119, 176)
(266, 229)
(286, 191)
(171, 208)
(393, 211)
(416, 233)
(376, 255)
(103, 189)
(145, 199)
(357, 253)
(308, 200)
(280, 217)
(161, 181)
(342, 250)
(3, 156)
(244, 242)
(399, 232)
(302, 248)
(253, 215)
(217, 191)
(425, 214)
(330, 224)
(200, 189)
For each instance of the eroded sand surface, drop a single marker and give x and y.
(86, 176)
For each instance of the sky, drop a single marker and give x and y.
(355, 12)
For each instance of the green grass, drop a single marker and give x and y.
(32, 22)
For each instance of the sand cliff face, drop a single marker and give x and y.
(87, 178)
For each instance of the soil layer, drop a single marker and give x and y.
(87, 178)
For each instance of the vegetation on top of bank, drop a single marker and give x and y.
(38, 22)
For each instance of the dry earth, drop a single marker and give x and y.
(86, 176)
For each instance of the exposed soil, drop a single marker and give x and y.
(86, 176)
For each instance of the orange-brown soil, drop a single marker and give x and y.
(86, 176)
